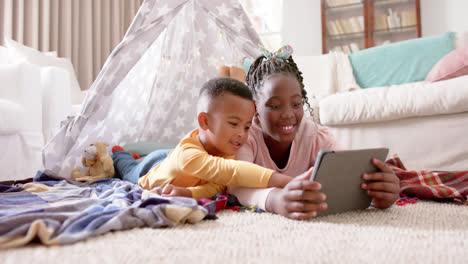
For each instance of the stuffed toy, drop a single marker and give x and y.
(99, 162)
(233, 72)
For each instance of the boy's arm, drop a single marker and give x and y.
(250, 196)
(222, 171)
(206, 190)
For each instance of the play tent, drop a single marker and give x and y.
(148, 88)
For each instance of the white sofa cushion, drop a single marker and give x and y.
(20, 53)
(12, 118)
(21, 84)
(4, 55)
(395, 102)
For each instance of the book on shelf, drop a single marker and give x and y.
(347, 26)
(408, 18)
(330, 29)
(380, 22)
(354, 47)
(339, 27)
(358, 27)
(346, 49)
(337, 3)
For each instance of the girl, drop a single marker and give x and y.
(282, 140)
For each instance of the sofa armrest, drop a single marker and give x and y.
(56, 99)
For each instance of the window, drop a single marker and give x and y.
(266, 17)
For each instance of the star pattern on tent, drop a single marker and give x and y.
(119, 117)
(140, 48)
(180, 85)
(195, 92)
(168, 132)
(140, 115)
(219, 46)
(200, 36)
(131, 130)
(116, 137)
(165, 92)
(124, 59)
(184, 105)
(163, 10)
(223, 10)
(237, 24)
(211, 24)
(179, 121)
(145, 9)
(212, 60)
(101, 132)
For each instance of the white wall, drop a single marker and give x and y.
(302, 27)
(439, 16)
(302, 22)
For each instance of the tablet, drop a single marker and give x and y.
(340, 174)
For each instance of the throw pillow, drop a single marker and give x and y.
(452, 65)
(401, 62)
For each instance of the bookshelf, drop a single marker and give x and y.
(353, 25)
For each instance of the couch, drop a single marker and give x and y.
(34, 99)
(423, 122)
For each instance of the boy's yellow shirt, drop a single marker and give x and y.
(189, 165)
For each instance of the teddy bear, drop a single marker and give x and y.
(99, 162)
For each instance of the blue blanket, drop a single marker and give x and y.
(62, 211)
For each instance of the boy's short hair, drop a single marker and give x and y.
(217, 87)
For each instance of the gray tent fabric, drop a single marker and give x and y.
(148, 88)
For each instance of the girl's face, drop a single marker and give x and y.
(280, 108)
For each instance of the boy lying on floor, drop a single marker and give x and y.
(203, 163)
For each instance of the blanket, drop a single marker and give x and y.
(61, 211)
(430, 184)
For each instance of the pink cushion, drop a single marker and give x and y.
(450, 66)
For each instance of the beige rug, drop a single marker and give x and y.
(425, 232)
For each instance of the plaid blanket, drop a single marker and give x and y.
(451, 185)
(61, 211)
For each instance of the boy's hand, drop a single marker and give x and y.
(172, 190)
(383, 186)
(294, 200)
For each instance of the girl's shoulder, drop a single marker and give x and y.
(311, 131)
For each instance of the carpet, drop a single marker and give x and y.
(425, 232)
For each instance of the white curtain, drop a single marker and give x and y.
(85, 31)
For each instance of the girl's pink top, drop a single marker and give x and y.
(310, 138)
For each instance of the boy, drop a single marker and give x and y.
(203, 163)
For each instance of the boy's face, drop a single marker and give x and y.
(280, 108)
(229, 120)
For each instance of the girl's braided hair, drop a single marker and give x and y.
(262, 68)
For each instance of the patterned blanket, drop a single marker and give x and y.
(450, 185)
(61, 211)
